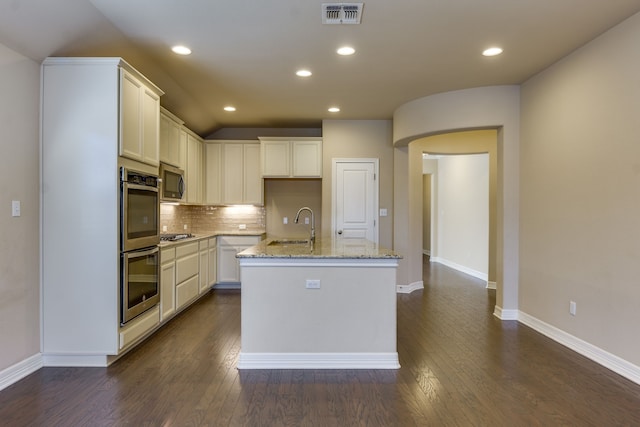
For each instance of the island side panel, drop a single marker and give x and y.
(354, 311)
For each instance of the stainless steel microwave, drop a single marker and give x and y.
(172, 183)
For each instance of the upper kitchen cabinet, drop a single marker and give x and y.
(233, 173)
(139, 118)
(291, 158)
(173, 140)
(193, 169)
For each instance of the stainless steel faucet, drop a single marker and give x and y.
(313, 222)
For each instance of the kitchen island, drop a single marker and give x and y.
(330, 305)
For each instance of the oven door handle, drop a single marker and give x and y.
(142, 253)
(140, 187)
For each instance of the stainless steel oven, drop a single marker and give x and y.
(139, 238)
(140, 284)
(140, 210)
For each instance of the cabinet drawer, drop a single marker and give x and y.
(204, 244)
(186, 267)
(186, 249)
(168, 254)
(139, 326)
(186, 291)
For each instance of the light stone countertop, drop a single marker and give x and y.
(338, 248)
(201, 236)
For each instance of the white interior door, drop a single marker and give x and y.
(355, 198)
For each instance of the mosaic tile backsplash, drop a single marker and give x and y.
(207, 219)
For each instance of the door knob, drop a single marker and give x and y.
(339, 231)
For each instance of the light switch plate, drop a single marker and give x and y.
(383, 212)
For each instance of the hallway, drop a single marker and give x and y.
(460, 366)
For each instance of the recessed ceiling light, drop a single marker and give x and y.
(229, 108)
(334, 109)
(346, 50)
(181, 50)
(492, 51)
(303, 73)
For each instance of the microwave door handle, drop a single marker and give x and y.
(181, 186)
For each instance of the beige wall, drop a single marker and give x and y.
(580, 193)
(19, 254)
(359, 139)
(283, 198)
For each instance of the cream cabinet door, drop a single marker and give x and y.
(275, 159)
(193, 171)
(130, 117)
(307, 159)
(213, 261)
(167, 290)
(150, 127)
(204, 270)
(252, 179)
(213, 173)
(173, 142)
(233, 178)
(139, 120)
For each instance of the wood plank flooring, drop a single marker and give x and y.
(460, 367)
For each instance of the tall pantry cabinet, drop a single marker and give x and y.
(97, 114)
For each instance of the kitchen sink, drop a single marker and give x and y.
(287, 242)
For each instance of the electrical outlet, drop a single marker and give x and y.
(572, 308)
(306, 220)
(164, 228)
(15, 208)
(242, 226)
(185, 226)
(285, 220)
(312, 284)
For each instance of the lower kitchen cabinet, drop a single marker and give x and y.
(213, 261)
(167, 283)
(204, 266)
(186, 291)
(139, 327)
(228, 265)
(187, 269)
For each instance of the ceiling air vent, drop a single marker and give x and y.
(341, 13)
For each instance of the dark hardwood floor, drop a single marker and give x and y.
(460, 366)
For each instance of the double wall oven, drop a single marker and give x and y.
(139, 238)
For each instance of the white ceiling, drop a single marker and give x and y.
(246, 52)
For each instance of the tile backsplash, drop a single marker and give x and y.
(205, 219)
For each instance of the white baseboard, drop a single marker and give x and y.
(15, 373)
(471, 272)
(502, 314)
(407, 289)
(598, 355)
(318, 361)
(426, 252)
(75, 360)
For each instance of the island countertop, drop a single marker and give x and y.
(338, 248)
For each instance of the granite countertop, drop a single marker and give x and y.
(196, 237)
(322, 248)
